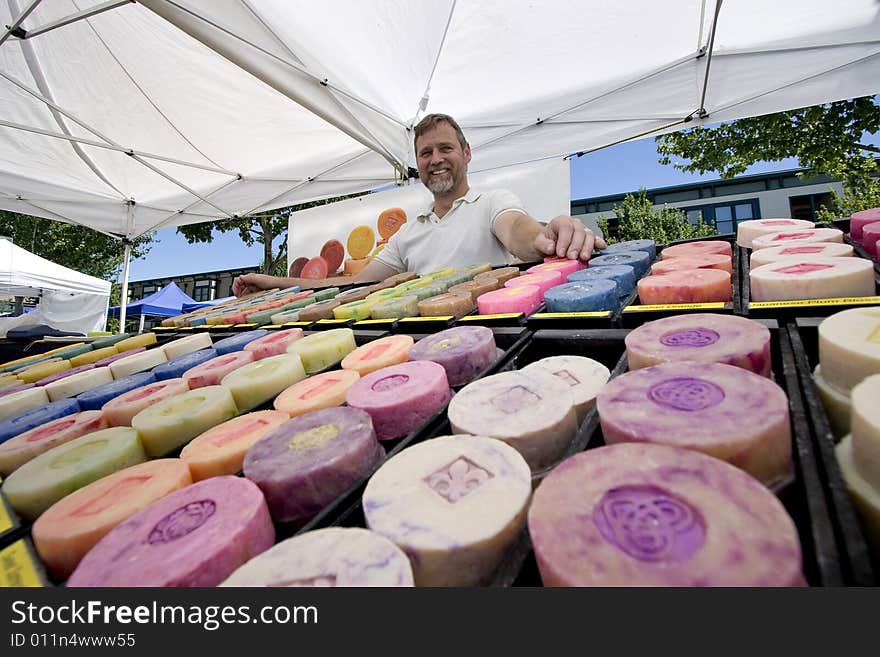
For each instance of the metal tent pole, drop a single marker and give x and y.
(123, 301)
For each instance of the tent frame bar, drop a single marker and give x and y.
(701, 112)
(73, 18)
(15, 28)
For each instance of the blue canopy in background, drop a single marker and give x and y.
(187, 307)
(167, 302)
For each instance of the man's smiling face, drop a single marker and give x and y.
(441, 159)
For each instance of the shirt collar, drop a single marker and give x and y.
(471, 196)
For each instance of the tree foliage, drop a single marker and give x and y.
(638, 219)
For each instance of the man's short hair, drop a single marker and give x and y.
(431, 121)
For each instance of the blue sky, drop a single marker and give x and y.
(622, 168)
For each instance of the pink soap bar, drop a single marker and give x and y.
(543, 280)
(211, 372)
(120, 410)
(463, 351)
(720, 410)
(402, 397)
(652, 515)
(562, 265)
(818, 278)
(305, 463)
(802, 251)
(870, 237)
(803, 236)
(273, 344)
(62, 375)
(196, 536)
(858, 220)
(510, 300)
(690, 249)
(115, 357)
(709, 261)
(746, 231)
(22, 448)
(685, 286)
(706, 337)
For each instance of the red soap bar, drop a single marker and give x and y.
(685, 286)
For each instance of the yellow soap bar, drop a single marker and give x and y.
(93, 356)
(42, 370)
(320, 350)
(135, 341)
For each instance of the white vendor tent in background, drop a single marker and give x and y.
(130, 117)
(69, 300)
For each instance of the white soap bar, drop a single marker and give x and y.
(836, 403)
(820, 278)
(144, 360)
(849, 347)
(74, 384)
(23, 400)
(746, 231)
(798, 236)
(584, 377)
(802, 251)
(454, 504)
(189, 344)
(865, 429)
(866, 498)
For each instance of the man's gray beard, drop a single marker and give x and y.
(440, 186)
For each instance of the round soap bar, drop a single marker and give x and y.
(720, 410)
(22, 400)
(480, 268)
(525, 299)
(305, 463)
(584, 377)
(30, 444)
(137, 362)
(65, 373)
(583, 296)
(135, 342)
(285, 317)
(535, 414)
(94, 399)
(34, 417)
(402, 397)
(273, 344)
(187, 345)
(623, 275)
(502, 274)
(706, 337)
(697, 249)
(375, 355)
(413, 284)
(112, 358)
(648, 246)
(355, 294)
(333, 556)
(316, 392)
(93, 356)
(849, 347)
(212, 371)
(709, 261)
(542, 280)
(196, 536)
(321, 350)
(808, 236)
(405, 306)
(858, 220)
(354, 309)
(238, 341)
(652, 515)
(71, 386)
(746, 231)
(174, 369)
(173, 422)
(42, 370)
(818, 278)
(427, 291)
(463, 351)
(476, 288)
(440, 273)
(865, 429)
(403, 277)
(120, 410)
(71, 527)
(260, 381)
(220, 450)
(870, 237)
(454, 504)
(321, 310)
(457, 304)
(562, 265)
(382, 295)
(801, 251)
(865, 495)
(685, 286)
(49, 477)
(836, 403)
(638, 260)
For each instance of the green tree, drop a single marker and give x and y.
(638, 219)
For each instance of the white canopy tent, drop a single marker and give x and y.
(131, 117)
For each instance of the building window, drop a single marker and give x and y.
(204, 290)
(724, 216)
(806, 206)
(148, 289)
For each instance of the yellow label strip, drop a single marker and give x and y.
(5, 520)
(333, 321)
(443, 318)
(297, 324)
(801, 303)
(600, 313)
(715, 305)
(17, 567)
(476, 318)
(385, 320)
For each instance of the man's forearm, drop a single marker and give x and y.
(522, 243)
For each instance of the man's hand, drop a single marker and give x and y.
(566, 237)
(250, 283)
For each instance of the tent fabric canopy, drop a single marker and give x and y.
(26, 274)
(154, 114)
(167, 302)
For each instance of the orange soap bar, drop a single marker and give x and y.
(375, 355)
(360, 242)
(475, 288)
(708, 261)
(352, 267)
(316, 392)
(685, 286)
(72, 526)
(697, 249)
(457, 304)
(502, 275)
(390, 221)
(220, 450)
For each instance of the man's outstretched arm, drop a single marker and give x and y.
(250, 283)
(529, 240)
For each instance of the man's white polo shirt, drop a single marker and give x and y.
(464, 236)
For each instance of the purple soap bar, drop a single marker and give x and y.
(112, 359)
(651, 515)
(463, 351)
(704, 337)
(196, 536)
(305, 463)
(402, 397)
(720, 410)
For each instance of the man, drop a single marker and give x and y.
(463, 226)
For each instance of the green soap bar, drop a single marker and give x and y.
(321, 350)
(411, 285)
(44, 480)
(473, 270)
(354, 310)
(301, 303)
(382, 295)
(427, 291)
(454, 279)
(74, 351)
(109, 341)
(405, 306)
(328, 293)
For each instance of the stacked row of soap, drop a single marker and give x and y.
(864, 228)
(691, 272)
(792, 259)
(252, 308)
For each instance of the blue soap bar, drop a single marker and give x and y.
(12, 426)
(94, 399)
(175, 368)
(638, 260)
(582, 296)
(623, 275)
(648, 246)
(238, 341)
